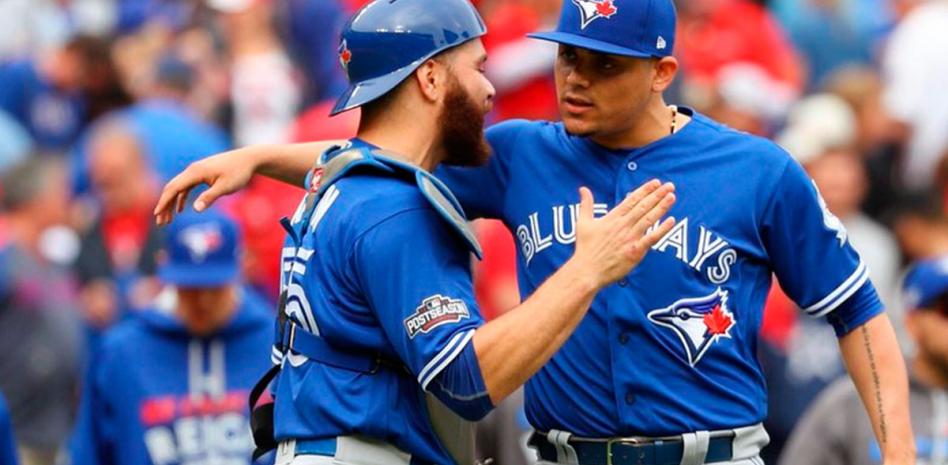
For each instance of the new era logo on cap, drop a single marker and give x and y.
(661, 44)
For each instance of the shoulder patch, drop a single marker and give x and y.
(433, 312)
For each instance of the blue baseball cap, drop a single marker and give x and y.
(634, 28)
(387, 40)
(925, 283)
(201, 251)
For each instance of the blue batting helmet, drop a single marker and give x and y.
(387, 40)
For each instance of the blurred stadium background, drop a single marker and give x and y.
(102, 101)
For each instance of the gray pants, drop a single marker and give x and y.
(748, 443)
(350, 450)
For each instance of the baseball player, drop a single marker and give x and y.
(169, 386)
(663, 369)
(382, 349)
(834, 430)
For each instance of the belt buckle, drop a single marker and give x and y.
(292, 340)
(610, 442)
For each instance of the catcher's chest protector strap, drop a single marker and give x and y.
(334, 164)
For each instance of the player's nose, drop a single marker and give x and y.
(491, 94)
(574, 78)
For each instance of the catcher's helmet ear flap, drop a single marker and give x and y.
(387, 40)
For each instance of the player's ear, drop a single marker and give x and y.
(432, 80)
(665, 70)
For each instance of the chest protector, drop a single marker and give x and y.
(455, 433)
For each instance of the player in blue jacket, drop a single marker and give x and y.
(170, 386)
(7, 441)
(663, 368)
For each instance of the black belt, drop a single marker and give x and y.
(631, 451)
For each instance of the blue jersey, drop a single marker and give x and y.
(672, 347)
(7, 442)
(160, 396)
(378, 270)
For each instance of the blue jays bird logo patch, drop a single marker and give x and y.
(698, 322)
(591, 10)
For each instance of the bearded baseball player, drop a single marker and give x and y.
(662, 370)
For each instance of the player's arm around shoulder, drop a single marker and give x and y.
(228, 172)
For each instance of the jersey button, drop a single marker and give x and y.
(629, 398)
(623, 282)
(632, 166)
(624, 338)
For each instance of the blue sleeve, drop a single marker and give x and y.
(416, 275)
(482, 190)
(856, 311)
(461, 386)
(811, 255)
(7, 443)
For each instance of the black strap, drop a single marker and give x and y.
(261, 417)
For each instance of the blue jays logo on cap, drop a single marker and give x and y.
(634, 28)
(698, 322)
(202, 240)
(591, 10)
(345, 56)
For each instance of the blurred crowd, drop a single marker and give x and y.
(102, 101)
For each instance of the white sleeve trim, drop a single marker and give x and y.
(444, 358)
(276, 356)
(841, 293)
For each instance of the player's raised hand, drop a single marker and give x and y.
(224, 173)
(613, 245)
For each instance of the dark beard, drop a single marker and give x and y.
(462, 129)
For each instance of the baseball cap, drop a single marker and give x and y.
(635, 28)
(925, 283)
(201, 250)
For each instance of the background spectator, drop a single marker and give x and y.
(914, 94)
(191, 361)
(39, 333)
(834, 432)
(119, 244)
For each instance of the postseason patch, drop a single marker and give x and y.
(435, 311)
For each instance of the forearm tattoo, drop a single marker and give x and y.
(876, 385)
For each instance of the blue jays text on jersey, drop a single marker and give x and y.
(376, 269)
(672, 347)
(159, 396)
